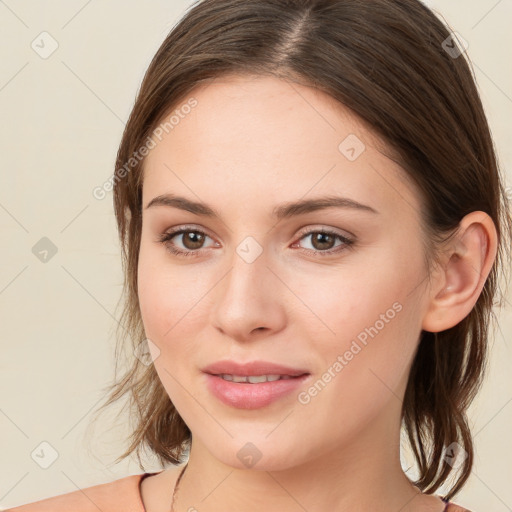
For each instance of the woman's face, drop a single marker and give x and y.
(261, 287)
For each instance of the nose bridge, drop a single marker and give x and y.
(247, 298)
(249, 268)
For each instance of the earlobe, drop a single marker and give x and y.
(467, 265)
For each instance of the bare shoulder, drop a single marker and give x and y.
(122, 493)
(452, 507)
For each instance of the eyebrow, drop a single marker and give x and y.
(283, 211)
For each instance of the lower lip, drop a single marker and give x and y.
(244, 395)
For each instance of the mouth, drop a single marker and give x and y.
(255, 379)
(253, 372)
(253, 391)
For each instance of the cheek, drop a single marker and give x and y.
(344, 303)
(158, 291)
(369, 318)
(363, 370)
(172, 299)
(166, 304)
(153, 304)
(368, 328)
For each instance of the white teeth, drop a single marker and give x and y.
(253, 379)
(272, 378)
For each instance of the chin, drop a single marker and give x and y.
(258, 452)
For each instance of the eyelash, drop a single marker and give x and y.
(165, 238)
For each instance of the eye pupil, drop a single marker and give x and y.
(320, 238)
(193, 240)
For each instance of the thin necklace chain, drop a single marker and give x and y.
(176, 486)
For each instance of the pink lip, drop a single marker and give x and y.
(244, 395)
(252, 368)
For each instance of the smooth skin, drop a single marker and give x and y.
(251, 144)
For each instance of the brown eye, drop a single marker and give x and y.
(192, 241)
(323, 242)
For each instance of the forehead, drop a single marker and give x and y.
(267, 140)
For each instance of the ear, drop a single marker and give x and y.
(464, 270)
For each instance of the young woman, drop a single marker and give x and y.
(313, 224)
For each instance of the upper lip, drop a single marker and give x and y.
(252, 368)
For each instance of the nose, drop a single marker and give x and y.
(250, 299)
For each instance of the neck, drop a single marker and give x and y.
(363, 474)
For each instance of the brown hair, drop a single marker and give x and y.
(386, 61)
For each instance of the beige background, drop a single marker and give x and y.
(62, 119)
